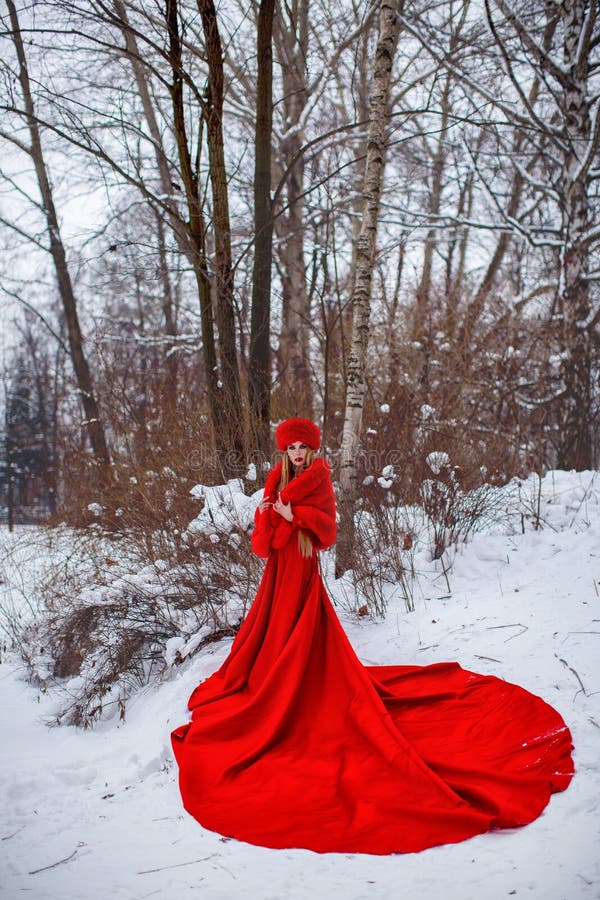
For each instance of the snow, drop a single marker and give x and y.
(438, 460)
(93, 814)
(224, 504)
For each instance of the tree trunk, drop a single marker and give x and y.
(170, 351)
(223, 393)
(197, 230)
(10, 499)
(93, 424)
(422, 311)
(163, 166)
(259, 384)
(295, 382)
(389, 28)
(575, 441)
(422, 318)
(232, 424)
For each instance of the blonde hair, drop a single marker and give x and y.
(304, 542)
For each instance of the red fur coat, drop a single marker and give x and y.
(313, 508)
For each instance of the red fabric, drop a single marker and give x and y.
(294, 743)
(313, 508)
(293, 430)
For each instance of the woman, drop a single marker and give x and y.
(294, 743)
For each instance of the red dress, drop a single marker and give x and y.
(294, 743)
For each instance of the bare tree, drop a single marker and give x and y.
(292, 35)
(389, 29)
(93, 422)
(213, 115)
(541, 94)
(572, 128)
(259, 375)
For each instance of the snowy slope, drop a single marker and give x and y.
(86, 815)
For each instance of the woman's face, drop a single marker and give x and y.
(297, 453)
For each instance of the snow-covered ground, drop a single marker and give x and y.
(95, 814)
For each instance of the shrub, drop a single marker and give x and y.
(110, 616)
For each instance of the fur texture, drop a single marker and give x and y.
(298, 430)
(313, 509)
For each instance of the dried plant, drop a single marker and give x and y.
(109, 616)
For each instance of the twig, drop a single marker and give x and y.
(176, 865)
(585, 496)
(225, 869)
(54, 865)
(512, 625)
(445, 575)
(7, 837)
(575, 673)
(490, 658)
(524, 627)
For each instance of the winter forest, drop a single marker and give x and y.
(382, 215)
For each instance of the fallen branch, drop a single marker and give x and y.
(575, 673)
(176, 865)
(490, 658)
(512, 625)
(54, 865)
(7, 837)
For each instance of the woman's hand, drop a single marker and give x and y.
(284, 509)
(264, 504)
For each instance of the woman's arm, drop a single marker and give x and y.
(321, 523)
(262, 535)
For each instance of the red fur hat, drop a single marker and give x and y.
(293, 430)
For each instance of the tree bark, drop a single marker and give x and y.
(295, 384)
(575, 442)
(197, 229)
(259, 384)
(170, 354)
(232, 424)
(389, 28)
(93, 424)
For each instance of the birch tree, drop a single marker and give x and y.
(389, 29)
